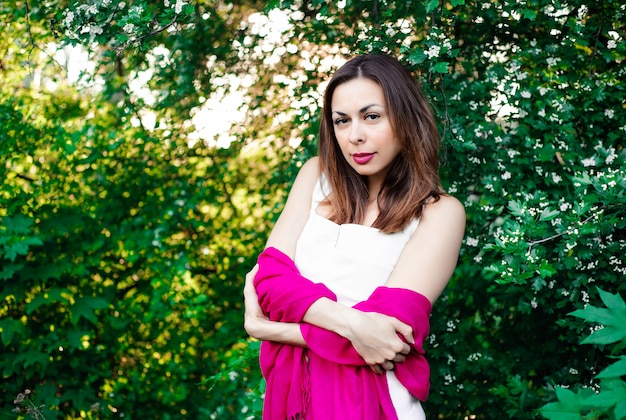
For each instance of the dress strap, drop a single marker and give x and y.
(320, 192)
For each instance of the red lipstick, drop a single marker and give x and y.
(362, 158)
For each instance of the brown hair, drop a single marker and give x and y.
(414, 174)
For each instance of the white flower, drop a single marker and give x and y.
(69, 17)
(178, 7)
(128, 28)
(556, 178)
(506, 175)
(609, 113)
(95, 30)
(136, 9)
(471, 241)
(611, 44)
(552, 61)
(611, 157)
(589, 162)
(91, 10)
(526, 94)
(433, 51)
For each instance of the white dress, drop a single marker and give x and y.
(352, 260)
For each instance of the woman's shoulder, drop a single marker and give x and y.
(447, 209)
(308, 175)
(311, 168)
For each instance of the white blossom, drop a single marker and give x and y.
(589, 162)
(471, 241)
(69, 17)
(433, 51)
(178, 7)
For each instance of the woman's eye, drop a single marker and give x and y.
(340, 121)
(371, 116)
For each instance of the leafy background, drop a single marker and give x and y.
(125, 234)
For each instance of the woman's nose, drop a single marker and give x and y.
(356, 133)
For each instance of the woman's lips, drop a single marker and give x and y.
(362, 158)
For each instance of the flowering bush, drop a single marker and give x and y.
(123, 245)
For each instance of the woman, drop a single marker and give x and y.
(366, 243)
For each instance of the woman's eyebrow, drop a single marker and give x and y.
(362, 110)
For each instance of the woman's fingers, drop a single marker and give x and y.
(382, 367)
(399, 358)
(405, 331)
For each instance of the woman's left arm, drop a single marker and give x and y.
(259, 326)
(429, 258)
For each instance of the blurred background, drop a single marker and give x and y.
(148, 146)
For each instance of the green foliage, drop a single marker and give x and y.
(124, 243)
(608, 399)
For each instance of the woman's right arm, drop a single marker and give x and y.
(292, 219)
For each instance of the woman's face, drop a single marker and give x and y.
(363, 128)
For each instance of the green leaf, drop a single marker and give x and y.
(431, 5)
(417, 56)
(529, 13)
(568, 406)
(605, 336)
(594, 314)
(10, 328)
(548, 214)
(52, 296)
(84, 307)
(441, 67)
(516, 208)
(18, 224)
(457, 3)
(620, 410)
(20, 247)
(8, 269)
(615, 370)
(612, 301)
(611, 393)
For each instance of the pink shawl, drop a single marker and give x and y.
(330, 380)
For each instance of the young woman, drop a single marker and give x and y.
(366, 243)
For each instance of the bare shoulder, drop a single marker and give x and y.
(306, 179)
(296, 210)
(430, 256)
(311, 168)
(447, 209)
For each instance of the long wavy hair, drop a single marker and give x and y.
(414, 174)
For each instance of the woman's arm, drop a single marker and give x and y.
(292, 219)
(284, 236)
(425, 266)
(257, 325)
(429, 258)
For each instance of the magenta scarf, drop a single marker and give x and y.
(329, 380)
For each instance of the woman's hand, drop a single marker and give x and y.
(375, 337)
